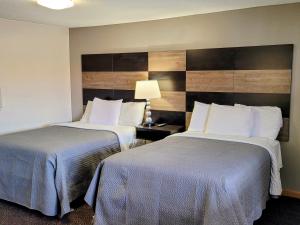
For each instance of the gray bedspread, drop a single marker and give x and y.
(182, 181)
(45, 169)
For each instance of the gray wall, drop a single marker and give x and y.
(255, 26)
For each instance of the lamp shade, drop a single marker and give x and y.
(147, 89)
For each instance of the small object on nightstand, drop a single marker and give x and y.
(156, 133)
(161, 124)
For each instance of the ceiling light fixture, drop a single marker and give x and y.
(56, 4)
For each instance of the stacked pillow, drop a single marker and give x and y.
(113, 112)
(237, 120)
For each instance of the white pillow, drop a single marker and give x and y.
(267, 121)
(230, 120)
(132, 113)
(86, 115)
(199, 117)
(105, 112)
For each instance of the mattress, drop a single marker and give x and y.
(183, 180)
(47, 168)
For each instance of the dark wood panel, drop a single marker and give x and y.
(264, 57)
(126, 95)
(97, 62)
(130, 61)
(170, 117)
(169, 81)
(208, 98)
(90, 94)
(210, 59)
(241, 58)
(279, 100)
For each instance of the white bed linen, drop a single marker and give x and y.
(126, 134)
(272, 146)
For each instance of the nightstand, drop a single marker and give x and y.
(156, 133)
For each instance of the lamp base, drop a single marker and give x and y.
(148, 119)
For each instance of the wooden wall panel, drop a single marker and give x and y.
(167, 61)
(127, 80)
(256, 75)
(188, 116)
(97, 62)
(170, 101)
(97, 80)
(169, 81)
(210, 81)
(210, 59)
(112, 80)
(262, 81)
(130, 61)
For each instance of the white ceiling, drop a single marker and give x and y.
(104, 12)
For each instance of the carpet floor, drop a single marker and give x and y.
(283, 211)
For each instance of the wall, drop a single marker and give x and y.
(255, 26)
(34, 75)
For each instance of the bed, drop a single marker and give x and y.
(189, 178)
(46, 169)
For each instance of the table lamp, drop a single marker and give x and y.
(147, 89)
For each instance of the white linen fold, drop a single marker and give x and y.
(126, 134)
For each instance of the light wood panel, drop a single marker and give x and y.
(188, 116)
(262, 81)
(112, 80)
(170, 101)
(97, 80)
(127, 80)
(209, 81)
(167, 61)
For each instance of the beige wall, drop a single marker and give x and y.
(34, 75)
(256, 26)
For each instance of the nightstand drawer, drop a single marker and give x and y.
(152, 135)
(155, 133)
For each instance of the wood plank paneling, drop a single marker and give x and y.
(267, 57)
(97, 62)
(167, 61)
(170, 101)
(130, 61)
(210, 59)
(210, 81)
(262, 81)
(97, 80)
(108, 94)
(188, 116)
(169, 81)
(112, 80)
(127, 80)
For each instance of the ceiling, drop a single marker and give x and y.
(104, 12)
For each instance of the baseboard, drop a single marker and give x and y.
(291, 193)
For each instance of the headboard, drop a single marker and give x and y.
(258, 75)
